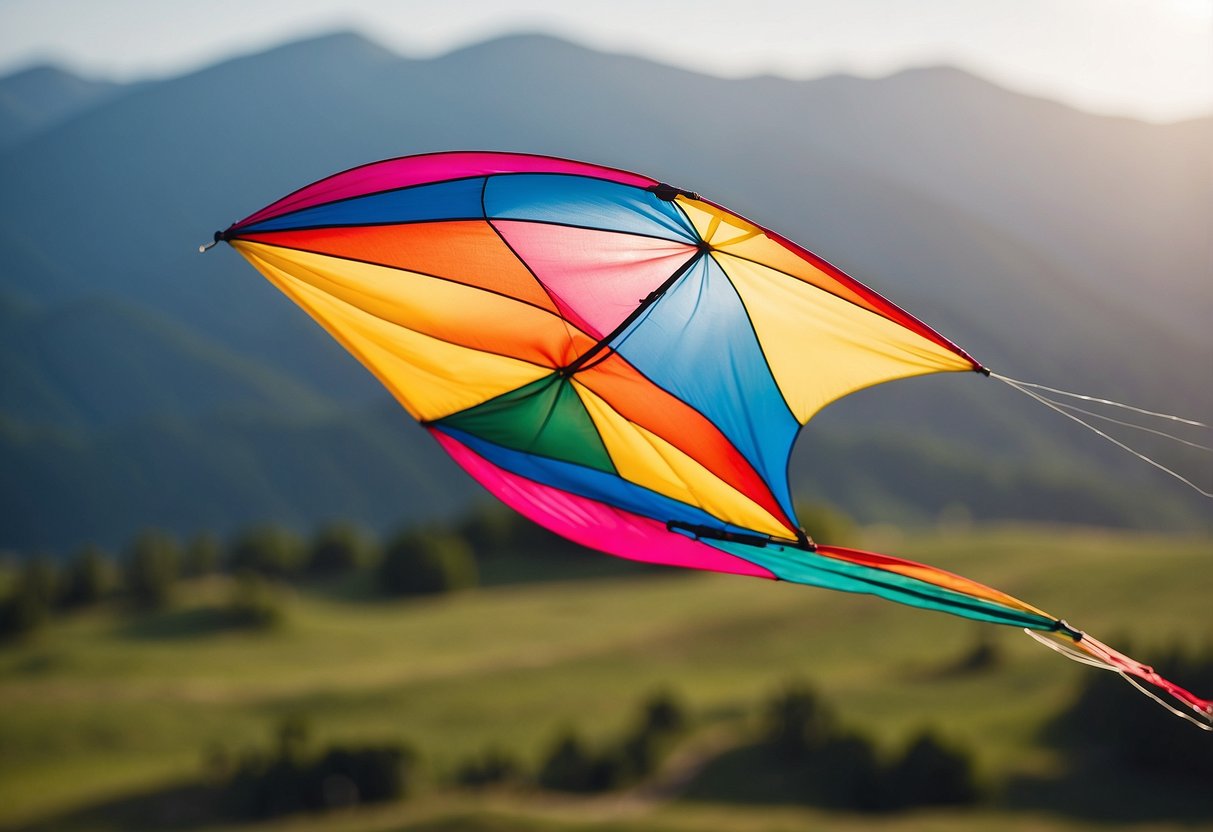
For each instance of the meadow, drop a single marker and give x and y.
(104, 706)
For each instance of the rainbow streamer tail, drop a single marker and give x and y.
(928, 587)
(1080, 647)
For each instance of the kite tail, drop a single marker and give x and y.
(928, 587)
(1091, 651)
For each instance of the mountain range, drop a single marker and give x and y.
(146, 385)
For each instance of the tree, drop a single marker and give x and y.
(798, 722)
(89, 576)
(267, 550)
(338, 548)
(421, 563)
(151, 569)
(931, 773)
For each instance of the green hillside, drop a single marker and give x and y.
(104, 706)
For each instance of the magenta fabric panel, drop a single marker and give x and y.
(596, 277)
(433, 167)
(595, 524)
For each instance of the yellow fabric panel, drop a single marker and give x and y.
(430, 377)
(820, 347)
(731, 234)
(648, 460)
(455, 312)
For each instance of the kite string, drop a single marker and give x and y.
(1122, 423)
(1023, 388)
(1017, 383)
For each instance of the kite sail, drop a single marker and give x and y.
(621, 361)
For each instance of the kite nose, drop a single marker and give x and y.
(219, 235)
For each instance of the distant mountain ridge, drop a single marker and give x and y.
(39, 97)
(1052, 244)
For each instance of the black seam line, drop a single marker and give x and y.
(403, 188)
(435, 337)
(403, 270)
(252, 229)
(647, 303)
(1010, 615)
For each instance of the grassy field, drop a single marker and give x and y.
(102, 705)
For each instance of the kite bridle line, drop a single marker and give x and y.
(1029, 389)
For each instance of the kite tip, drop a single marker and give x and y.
(205, 247)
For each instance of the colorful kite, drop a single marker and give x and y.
(621, 361)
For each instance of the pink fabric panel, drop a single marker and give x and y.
(597, 278)
(595, 524)
(432, 167)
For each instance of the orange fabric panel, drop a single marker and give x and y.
(465, 251)
(930, 574)
(640, 401)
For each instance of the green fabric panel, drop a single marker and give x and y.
(801, 567)
(545, 418)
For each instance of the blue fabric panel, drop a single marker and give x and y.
(458, 199)
(587, 203)
(697, 342)
(588, 482)
(801, 567)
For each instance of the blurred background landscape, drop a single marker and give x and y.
(216, 523)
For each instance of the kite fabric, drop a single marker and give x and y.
(621, 361)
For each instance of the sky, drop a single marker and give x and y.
(1150, 59)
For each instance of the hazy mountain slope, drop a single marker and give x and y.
(100, 363)
(36, 98)
(1019, 228)
(220, 473)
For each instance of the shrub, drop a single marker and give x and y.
(253, 604)
(663, 715)
(421, 563)
(492, 766)
(570, 767)
(294, 780)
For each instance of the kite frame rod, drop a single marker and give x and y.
(803, 541)
(652, 297)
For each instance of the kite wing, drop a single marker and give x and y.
(621, 361)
